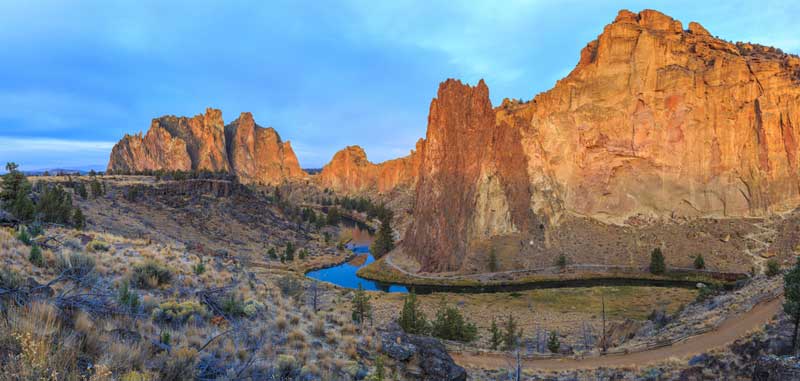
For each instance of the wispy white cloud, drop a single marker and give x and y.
(15, 144)
(44, 153)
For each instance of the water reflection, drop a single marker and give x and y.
(344, 274)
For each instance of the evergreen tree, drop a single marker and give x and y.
(493, 260)
(97, 189)
(35, 256)
(699, 262)
(127, 297)
(362, 309)
(497, 338)
(23, 207)
(14, 182)
(791, 285)
(55, 205)
(14, 194)
(81, 190)
(553, 344)
(384, 242)
(561, 262)
(78, 220)
(272, 254)
(773, 268)
(511, 334)
(657, 265)
(450, 324)
(303, 254)
(23, 236)
(333, 217)
(289, 252)
(412, 319)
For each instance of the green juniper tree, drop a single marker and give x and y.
(493, 266)
(791, 285)
(451, 325)
(55, 205)
(289, 252)
(699, 262)
(552, 343)
(78, 220)
(657, 265)
(412, 319)
(22, 206)
(81, 190)
(333, 217)
(497, 338)
(362, 308)
(97, 189)
(14, 195)
(24, 236)
(511, 334)
(773, 268)
(35, 256)
(561, 262)
(384, 242)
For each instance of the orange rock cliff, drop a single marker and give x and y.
(350, 172)
(653, 121)
(253, 153)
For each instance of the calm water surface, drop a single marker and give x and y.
(344, 274)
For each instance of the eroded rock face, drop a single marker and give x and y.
(204, 136)
(257, 154)
(657, 120)
(654, 121)
(350, 172)
(156, 150)
(456, 153)
(253, 153)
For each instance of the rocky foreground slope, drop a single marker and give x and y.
(655, 121)
(253, 153)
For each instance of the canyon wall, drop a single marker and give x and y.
(654, 122)
(253, 153)
(349, 171)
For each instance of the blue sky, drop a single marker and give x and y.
(75, 76)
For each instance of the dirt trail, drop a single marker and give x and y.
(760, 241)
(731, 329)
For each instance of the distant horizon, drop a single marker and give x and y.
(353, 73)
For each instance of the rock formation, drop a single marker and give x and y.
(253, 153)
(156, 150)
(654, 121)
(257, 154)
(350, 172)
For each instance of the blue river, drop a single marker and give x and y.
(344, 275)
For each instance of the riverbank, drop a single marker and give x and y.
(384, 271)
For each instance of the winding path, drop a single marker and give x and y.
(731, 329)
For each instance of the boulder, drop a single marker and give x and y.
(424, 358)
(7, 219)
(774, 368)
